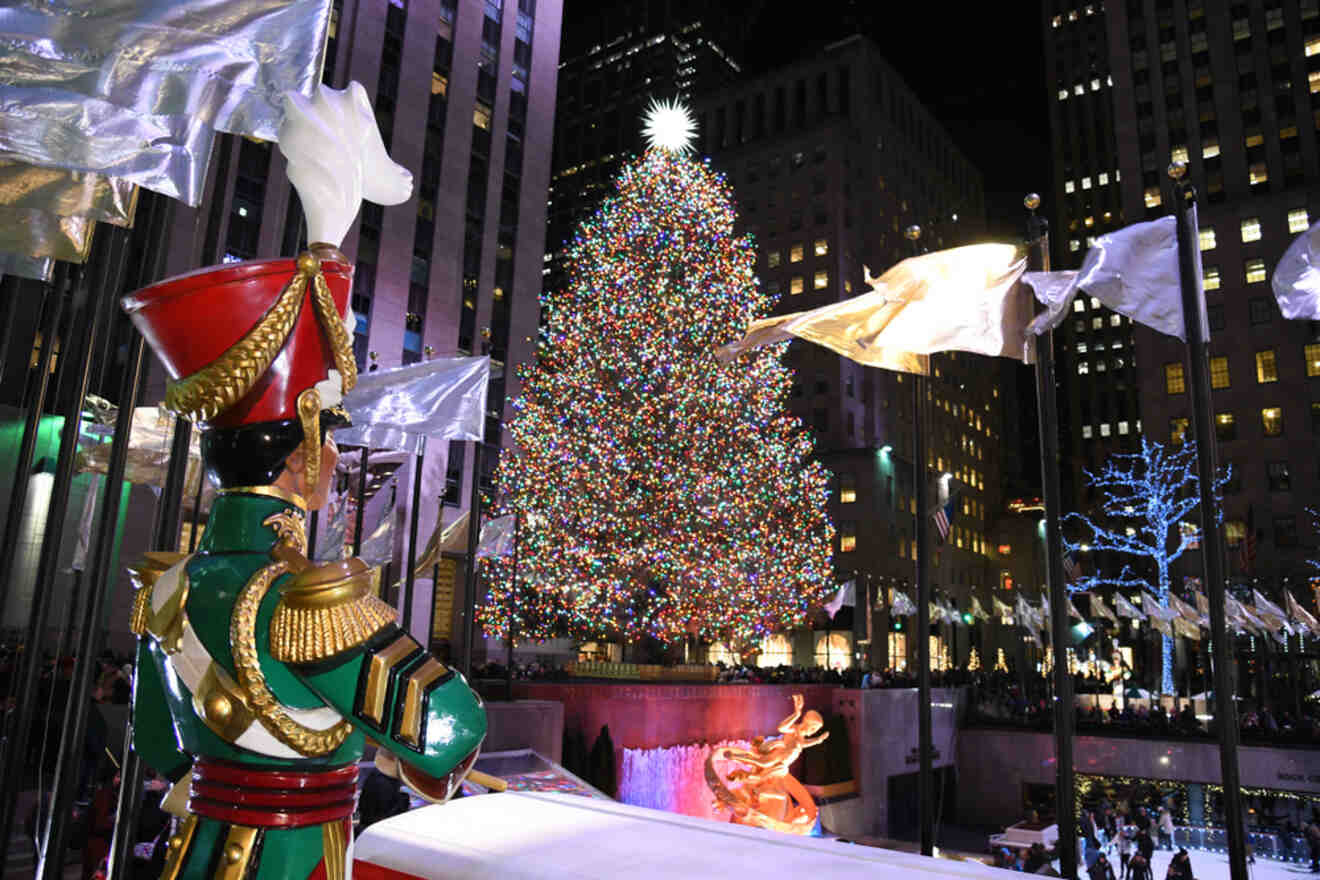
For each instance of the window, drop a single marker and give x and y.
(847, 489)
(1298, 220)
(1251, 229)
(1087, 432)
(1174, 380)
(1215, 314)
(795, 254)
(847, 536)
(1261, 310)
(1285, 531)
(1225, 426)
(1177, 431)
(1266, 368)
(1152, 196)
(796, 284)
(898, 651)
(1315, 417)
(1104, 429)
(1312, 353)
(1207, 237)
(1210, 277)
(772, 259)
(1276, 473)
(1097, 323)
(822, 247)
(1255, 271)
(1257, 173)
(1209, 147)
(1219, 372)
(1079, 305)
(821, 279)
(1115, 320)
(1271, 421)
(1235, 531)
(1123, 428)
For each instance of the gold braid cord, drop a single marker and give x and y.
(309, 416)
(332, 325)
(308, 634)
(247, 666)
(227, 379)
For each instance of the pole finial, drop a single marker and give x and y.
(912, 233)
(1031, 201)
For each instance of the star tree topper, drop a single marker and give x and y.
(669, 126)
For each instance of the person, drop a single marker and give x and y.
(1180, 867)
(1101, 869)
(1140, 867)
(1166, 828)
(1089, 838)
(1123, 841)
(261, 673)
(1312, 833)
(1037, 858)
(1145, 846)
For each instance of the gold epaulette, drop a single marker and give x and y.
(326, 610)
(144, 573)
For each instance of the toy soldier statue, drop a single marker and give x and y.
(261, 674)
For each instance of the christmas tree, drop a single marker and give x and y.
(659, 492)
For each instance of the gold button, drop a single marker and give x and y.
(233, 853)
(176, 841)
(218, 708)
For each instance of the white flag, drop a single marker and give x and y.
(979, 613)
(1303, 620)
(496, 537)
(847, 595)
(1296, 280)
(1133, 270)
(902, 606)
(1100, 609)
(1270, 613)
(1002, 610)
(961, 299)
(1126, 608)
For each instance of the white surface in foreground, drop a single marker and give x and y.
(539, 835)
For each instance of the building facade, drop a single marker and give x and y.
(830, 158)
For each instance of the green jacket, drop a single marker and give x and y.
(252, 657)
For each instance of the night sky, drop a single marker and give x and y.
(979, 68)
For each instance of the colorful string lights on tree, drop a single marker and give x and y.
(660, 492)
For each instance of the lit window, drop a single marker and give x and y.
(847, 489)
(439, 84)
(1178, 154)
(1271, 421)
(1079, 306)
(847, 542)
(1083, 368)
(822, 247)
(1086, 432)
(1255, 139)
(821, 279)
(1079, 89)
(1086, 183)
(1312, 352)
(1251, 229)
(795, 254)
(1255, 271)
(1057, 21)
(1258, 173)
(796, 284)
(1069, 186)
(772, 259)
(1266, 368)
(1104, 429)
(1210, 148)
(1095, 304)
(1207, 238)
(1298, 220)
(1095, 84)
(1174, 380)
(1290, 131)
(1102, 178)
(1074, 245)
(1313, 46)
(1225, 426)
(1097, 323)
(1123, 428)
(1115, 320)
(1090, 221)
(1081, 348)
(1219, 372)
(1100, 365)
(1063, 94)
(1177, 431)
(481, 116)
(1210, 275)
(1153, 198)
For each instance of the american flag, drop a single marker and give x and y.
(1071, 569)
(944, 517)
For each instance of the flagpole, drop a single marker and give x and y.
(1212, 543)
(925, 801)
(1038, 239)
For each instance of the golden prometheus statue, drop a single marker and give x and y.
(765, 795)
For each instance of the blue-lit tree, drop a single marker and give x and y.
(1148, 502)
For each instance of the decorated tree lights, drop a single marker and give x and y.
(1146, 512)
(659, 492)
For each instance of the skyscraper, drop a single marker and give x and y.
(1233, 91)
(830, 159)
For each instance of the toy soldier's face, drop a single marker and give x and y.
(320, 494)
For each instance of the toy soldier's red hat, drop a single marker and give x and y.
(254, 342)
